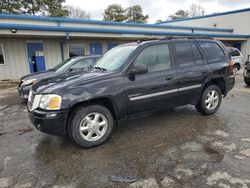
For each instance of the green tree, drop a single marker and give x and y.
(55, 8)
(32, 7)
(135, 14)
(180, 14)
(115, 13)
(10, 7)
(158, 21)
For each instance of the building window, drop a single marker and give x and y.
(76, 50)
(1, 55)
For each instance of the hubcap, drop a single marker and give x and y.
(93, 126)
(212, 100)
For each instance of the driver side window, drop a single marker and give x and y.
(156, 58)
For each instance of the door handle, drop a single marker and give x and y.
(169, 78)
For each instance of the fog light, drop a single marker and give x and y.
(51, 115)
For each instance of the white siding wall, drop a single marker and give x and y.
(16, 60)
(238, 21)
(15, 55)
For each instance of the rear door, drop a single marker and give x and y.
(157, 88)
(192, 70)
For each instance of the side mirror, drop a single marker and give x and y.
(139, 69)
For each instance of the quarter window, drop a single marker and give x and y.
(184, 54)
(156, 58)
(1, 55)
(212, 51)
(76, 50)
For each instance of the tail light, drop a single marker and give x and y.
(231, 67)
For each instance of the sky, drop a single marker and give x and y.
(158, 9)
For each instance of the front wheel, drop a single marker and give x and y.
(210, 100)
(91, 126)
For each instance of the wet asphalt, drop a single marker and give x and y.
(175, 148)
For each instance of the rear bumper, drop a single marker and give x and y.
(50, 122)
(229, 83)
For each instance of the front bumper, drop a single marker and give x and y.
(24, 91)
(50, 122)
(229, 83)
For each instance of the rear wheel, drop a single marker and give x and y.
(247, 81)
(210, 100)
(91, 125)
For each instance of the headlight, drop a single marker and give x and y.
(29, 81)
(50, 102)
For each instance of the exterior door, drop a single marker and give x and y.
(35, 56)
(96, 49)
(157, 88)
(112, 45)
(192, 70)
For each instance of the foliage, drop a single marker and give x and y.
(10, 7)
(55, 8)
(75, 12)
(180, 14)
(135, 14)
(196, 10)
(114, 12)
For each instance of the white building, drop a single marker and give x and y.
(237, 20)
(51, 40)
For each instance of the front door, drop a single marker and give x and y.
(157, 88)
(96, 49)
(35, 56)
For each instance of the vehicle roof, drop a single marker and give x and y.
(175, 39)
(84, 57)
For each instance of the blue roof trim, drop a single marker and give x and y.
(116, 31)
(209, 15)
(69, 20)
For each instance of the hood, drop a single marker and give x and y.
(49, 85)
(39, 75)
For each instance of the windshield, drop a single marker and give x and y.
(61, 66)
(115, 58)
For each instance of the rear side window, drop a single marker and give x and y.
(212, 51)
(197, 54)
(184, 54)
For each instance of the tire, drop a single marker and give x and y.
(203, 107)
(247, 81)
(95, 129)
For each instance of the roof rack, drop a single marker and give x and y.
(186, 37)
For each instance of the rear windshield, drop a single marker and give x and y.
(212, 51)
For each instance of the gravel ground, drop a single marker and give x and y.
(176, 148)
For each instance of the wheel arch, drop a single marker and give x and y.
(220, 82)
